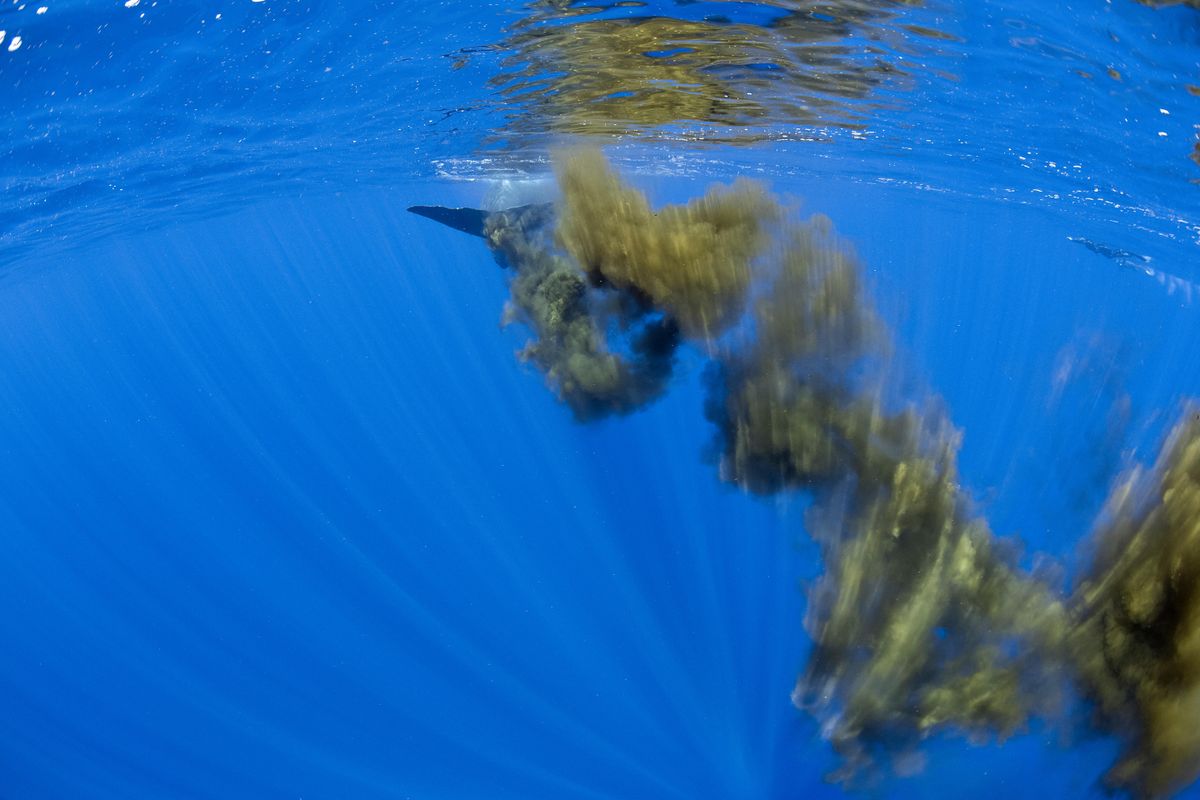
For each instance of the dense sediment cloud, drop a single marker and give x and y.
(692, 261)
(922, 620)
(570, 321)
(1137, 640)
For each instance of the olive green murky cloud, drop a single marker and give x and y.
(1136, 643)
(691, 261)
(569, 320)
(922, 621)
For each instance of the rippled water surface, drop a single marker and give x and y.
(284, 516)
(155, 109)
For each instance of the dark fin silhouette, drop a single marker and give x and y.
(467, 220)
(472, 220)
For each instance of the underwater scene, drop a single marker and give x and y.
(677, 399)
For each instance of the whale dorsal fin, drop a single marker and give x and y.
(467, 220)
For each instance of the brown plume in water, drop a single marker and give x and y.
(1136, 642)
(922, 620)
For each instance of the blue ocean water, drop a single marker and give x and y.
(285, 517)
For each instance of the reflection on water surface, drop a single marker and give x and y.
(628, 68)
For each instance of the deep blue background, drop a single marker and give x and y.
(283, 516)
